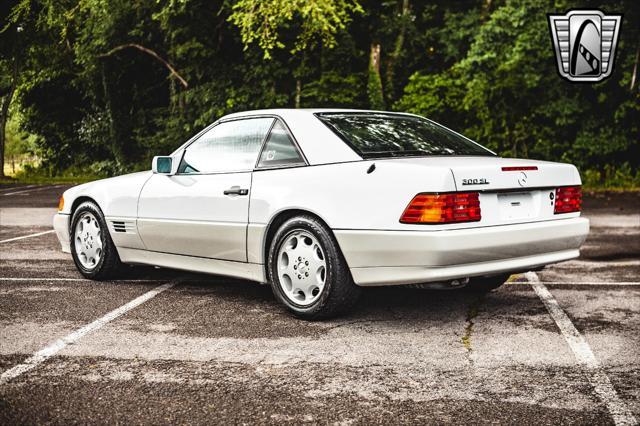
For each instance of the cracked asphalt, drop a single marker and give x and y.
(214, 350)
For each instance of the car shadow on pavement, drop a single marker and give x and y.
(214, 306)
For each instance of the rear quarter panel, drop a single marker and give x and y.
(344, 195)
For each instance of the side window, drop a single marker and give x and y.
(279, 149)
(229, 146)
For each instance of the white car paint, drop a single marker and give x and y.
(190, 215)
(186, 222)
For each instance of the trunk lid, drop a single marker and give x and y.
(511, 190)
(487, 174)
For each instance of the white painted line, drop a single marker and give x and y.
(46, 353)
(31, 190)
(75, 279)
(4, 190)
(586, 283)
(27, 236)
(21, 192)
(153, 280)
(599, 381)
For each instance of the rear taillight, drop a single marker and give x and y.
(568, 199)
(443, 208)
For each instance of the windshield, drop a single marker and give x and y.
(374, 135)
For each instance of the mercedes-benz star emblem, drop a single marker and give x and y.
(522, 180)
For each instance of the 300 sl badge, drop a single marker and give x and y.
(481, 181)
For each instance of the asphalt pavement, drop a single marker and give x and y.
(163, 347)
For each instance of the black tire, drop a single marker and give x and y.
(339, 293)
(109, 263)
(486, 284)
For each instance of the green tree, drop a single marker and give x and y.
(113, 82)
(10, 70)
(505, 91)
(261, 21)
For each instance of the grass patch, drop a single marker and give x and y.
(43, 180)
(590, 189)
(472, 313)
(610, 179)
(31, 174)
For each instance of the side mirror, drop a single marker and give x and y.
(162, 165)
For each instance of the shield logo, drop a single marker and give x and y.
(585, 44)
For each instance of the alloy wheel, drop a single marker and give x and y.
(302, 268)
(88, 241)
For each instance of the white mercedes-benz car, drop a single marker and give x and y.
(319, 203)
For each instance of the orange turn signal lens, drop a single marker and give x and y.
(61, 204)
(453, 207)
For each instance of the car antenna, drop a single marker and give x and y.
(371, 168)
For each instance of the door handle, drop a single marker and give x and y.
(236, 190)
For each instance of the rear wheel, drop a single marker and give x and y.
(307, 271)
(486, 284)
(92, 249)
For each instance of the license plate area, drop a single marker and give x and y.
(516, 205)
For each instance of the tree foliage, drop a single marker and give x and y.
(262, 21)
(505, 92)
(115, 82)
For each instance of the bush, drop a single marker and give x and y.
(623, 177)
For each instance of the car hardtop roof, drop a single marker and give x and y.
(292, 112)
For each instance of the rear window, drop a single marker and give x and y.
(394, 135)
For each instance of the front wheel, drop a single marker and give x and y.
(92, 249)
(307, 271)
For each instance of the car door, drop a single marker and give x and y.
(203, 209)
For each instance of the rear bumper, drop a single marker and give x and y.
(61, 226)
(406, 257)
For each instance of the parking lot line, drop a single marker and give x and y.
(599, 381)
(152, 280)
(46, 353)
(5, 190)
(31, 190)
(586, 283)
(26, 236)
